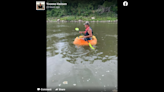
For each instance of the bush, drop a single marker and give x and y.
(107, 4)
(68, 18)
(114, 9)
(81, 17)
(108, 18)
(48, 13)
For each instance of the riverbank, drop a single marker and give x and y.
(82, 19)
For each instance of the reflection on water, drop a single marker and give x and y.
(82, 67)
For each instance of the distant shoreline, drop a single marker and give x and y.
(80, 21)
(83, 21)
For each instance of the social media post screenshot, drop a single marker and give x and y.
(81, 45)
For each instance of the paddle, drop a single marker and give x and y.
(77, 29)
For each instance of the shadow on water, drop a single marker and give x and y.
(82, 66)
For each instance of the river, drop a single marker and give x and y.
(82, 68)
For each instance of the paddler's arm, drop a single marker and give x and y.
(81, 31)
(90, 34)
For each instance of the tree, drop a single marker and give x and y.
(107, 4)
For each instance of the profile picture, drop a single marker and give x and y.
(40, 5)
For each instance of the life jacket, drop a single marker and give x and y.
(86, 31)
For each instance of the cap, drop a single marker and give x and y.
(86, 23)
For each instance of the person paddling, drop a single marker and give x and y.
(87, 33)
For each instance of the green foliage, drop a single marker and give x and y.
(108, 18)
(107, 4)
(80, 17)
(48, 13)
(83, 10)
(114, 9)
(114, 1)
(90, 7)
(68, 18)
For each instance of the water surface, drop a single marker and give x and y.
(84, 69)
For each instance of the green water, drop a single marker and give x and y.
(83, 68)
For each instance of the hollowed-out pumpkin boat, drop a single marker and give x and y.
(82, 42)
